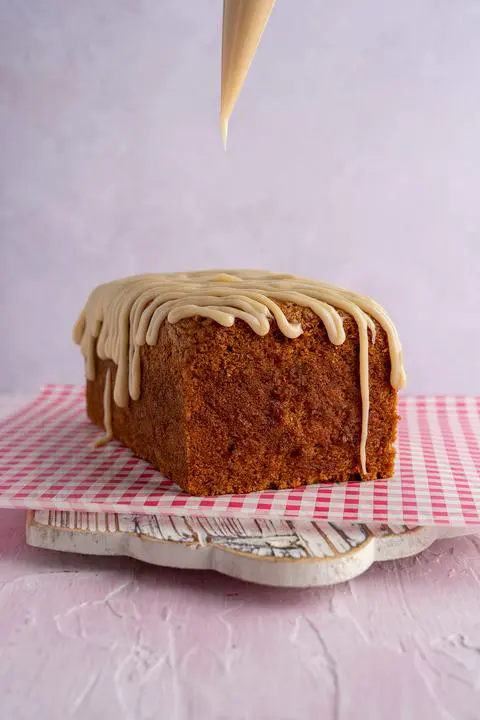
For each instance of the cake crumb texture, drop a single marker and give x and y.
(224, 410)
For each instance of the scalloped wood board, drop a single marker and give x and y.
(271, 552)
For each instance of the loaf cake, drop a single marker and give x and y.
(235, 381)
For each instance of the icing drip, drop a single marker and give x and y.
(107, 411)
(121, 316)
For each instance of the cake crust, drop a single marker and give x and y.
(225, 410)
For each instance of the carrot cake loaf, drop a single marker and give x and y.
(235, 381)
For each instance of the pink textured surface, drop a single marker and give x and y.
(111, 638)
(48, 461)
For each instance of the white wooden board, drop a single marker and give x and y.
(271, 552)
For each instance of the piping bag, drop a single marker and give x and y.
(243, 24)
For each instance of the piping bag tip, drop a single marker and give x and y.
(224, 131)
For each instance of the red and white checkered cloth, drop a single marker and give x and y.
(48, 461)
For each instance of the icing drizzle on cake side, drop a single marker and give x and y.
(121, 316)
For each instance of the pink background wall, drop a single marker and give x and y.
(354, 157)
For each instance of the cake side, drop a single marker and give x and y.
(154, 426)
(224, 410)
(272, 412)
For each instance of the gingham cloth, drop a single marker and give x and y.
(48, 461)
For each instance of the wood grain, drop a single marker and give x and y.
(270, 552)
